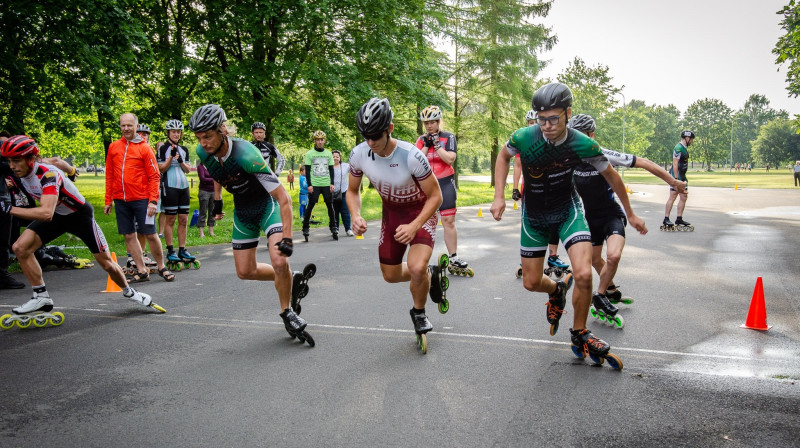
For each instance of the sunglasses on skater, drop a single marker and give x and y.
(377, 136)
(553, 120)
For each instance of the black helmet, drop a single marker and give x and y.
(374, 117)
(207, 117)
(687, 134)
(258, 125)
(583, 122)
(552, 96)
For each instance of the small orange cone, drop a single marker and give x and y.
(110, 285)
(757, 316)
(480, 213)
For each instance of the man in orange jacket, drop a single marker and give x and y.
(132, 179)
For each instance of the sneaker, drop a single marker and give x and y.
(350, 233)
(9, 282)
(140, 297)
(35, 304)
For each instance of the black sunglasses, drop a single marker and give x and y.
(377, 136)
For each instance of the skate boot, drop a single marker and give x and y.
(296, 326)
(584, 344)
(421, 326)
(150, 263)
(440, 283)
(557, 302)
(615, 296)
(602, 310)
(173, 261)
(188, 260)
(459, 267)
(556, 268)
(9, 282)
(130, 267)
(300, 285)
(667, 225)
(335, 233)
(305, 232)
(37, 311)
(143, 299)
(683, 226)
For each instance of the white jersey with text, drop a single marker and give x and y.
(46, 179)
(397, 176)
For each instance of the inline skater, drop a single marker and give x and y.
(319, 175)
(411, 197)
(173, 163)
(549, 152)
(680, 164)
(260, 204)
(62, 209)
(606, 219)
(269, 152)
(440, 147)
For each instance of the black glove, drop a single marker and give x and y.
(217, 206)
(174, 151)
(516, 195)
(180, 159)
(427, 139)
(5, 203)
(285, 246)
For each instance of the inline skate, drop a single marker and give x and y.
(557, 302)
(130, 268)
(667, 226)
(459, 267)
(296, 326)
(305, 233)
(584, 344)
(335, 233)
(615, 296)
(602, 310)
(440, 283)
(556, 268)
(143, 299)
(300, 285)
(518, 272)
(683, 226)
(173, 261)
(189, 261)
(421, 326)
(36, 311)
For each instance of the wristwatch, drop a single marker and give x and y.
(154, 202)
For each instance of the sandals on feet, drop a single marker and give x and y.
(166, 274)
(140, 277)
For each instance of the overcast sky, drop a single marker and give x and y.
(675, 51)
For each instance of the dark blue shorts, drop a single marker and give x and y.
(131, 216)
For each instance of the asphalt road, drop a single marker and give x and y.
(219, 369)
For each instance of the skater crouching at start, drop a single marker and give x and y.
(260, 204)
(549, 153)
(411, 197)
(62, 209)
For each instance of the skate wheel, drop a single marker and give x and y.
(444, 261)
(310, 270)
(618, 322)
(40, 320)
(578, 351)
(6, 321)
(470, 272)
(553, 329)
(303, 291)
(444, 306)
(614, 361)
(157, 307)
(450, 270)
(299, 309)
(196, 264)
(593, 312)
(626, 300)
(596, 359)
(309, 339)
(57, 319)
(292, 336)
(24, 322)
(445, 283)
(422, 341)
(518, 273)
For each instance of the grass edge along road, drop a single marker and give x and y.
(469, 193)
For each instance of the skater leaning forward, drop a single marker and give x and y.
(411, 197)
(549, 152)
(260, 204)
(62, 209)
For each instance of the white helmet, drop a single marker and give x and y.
(431, 113)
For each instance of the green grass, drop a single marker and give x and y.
(758, 178)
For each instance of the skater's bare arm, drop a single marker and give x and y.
(500, 176)
(618, 186)
(44, 212)
(405, 233)
(663, 174)
(357, 223)
(517, 172)
(285, 204)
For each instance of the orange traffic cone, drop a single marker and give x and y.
(110, 285)
(757, 316)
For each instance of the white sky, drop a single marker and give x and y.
(675, 51)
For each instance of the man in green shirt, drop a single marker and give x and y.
(319, 169)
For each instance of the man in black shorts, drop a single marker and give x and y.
(62, 210)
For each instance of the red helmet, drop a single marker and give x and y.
(19, 146)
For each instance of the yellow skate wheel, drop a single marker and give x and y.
(470, 272)
(155, 306)
(57, 319)
(25, 322)
(40, 320)
(6, 321)
(422, 341)
(614, 361)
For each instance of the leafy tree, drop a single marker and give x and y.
(777, 143)
(592, 89)
(747, 122)
(666, 133)
(710, 120)
(787, 45)
(639, 128)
